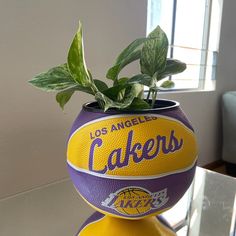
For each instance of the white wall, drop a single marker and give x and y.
(34, 36)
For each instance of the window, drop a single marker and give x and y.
(193, 29)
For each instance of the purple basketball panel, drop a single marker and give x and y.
(97, 189)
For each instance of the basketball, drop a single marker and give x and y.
(131, 165)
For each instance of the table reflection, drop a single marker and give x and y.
(208, 208)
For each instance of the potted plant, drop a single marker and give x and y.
(129, 155)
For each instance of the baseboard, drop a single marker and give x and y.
(213, 165)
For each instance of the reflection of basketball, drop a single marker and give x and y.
(131, 201)
(101, 225)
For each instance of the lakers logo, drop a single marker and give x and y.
(133, 201)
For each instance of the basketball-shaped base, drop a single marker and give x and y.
(103, 225)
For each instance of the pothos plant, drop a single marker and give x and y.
(127, 93)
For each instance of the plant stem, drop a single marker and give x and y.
(148, 96)
(95, 90)
(154, 96)
(93, 87)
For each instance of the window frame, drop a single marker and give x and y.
(202, 80)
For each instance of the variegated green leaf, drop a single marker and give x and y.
(141, 79)
(172, 67)
(115, 70)
(76, 62)
(114, 91)
(64, 96)
(109, 103)
(167, 84)
(101, 86)
(154, 52)
(130, 49)
(55, 79)
(128, 55)
(138, 104)
(136, 90)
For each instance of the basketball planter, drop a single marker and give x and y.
(130, 156)
(133, 164)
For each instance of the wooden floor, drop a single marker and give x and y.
(218, 166)
(220, 169)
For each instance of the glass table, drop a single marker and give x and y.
(207, 209)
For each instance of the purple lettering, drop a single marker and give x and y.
(114, 159)
(113, 128)
(96, 142)
(128, 123)
(134, 121)
(113, 201)
(91, 136)
(136, 152)
(104, 131)
(147, 118)
(128, 204)
(131, 151)
(147, 148)
(138, 204)
(174, 143)
(140, 120)
(150, 202)
(120, 126)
